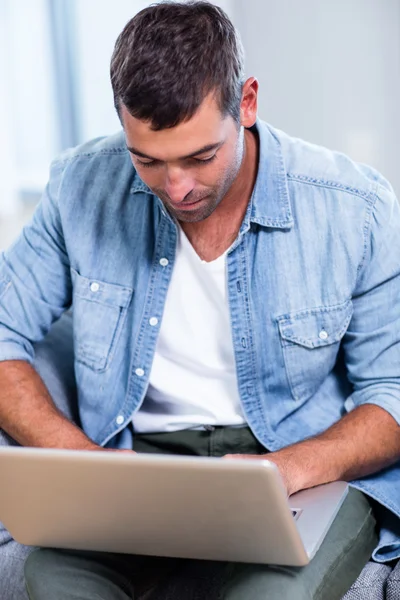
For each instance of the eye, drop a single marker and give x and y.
(205, 160)
(151, 163)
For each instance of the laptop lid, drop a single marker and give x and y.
(188, 507)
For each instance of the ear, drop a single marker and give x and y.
(248, 105)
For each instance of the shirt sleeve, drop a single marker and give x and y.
(35, 283)
(372, 341)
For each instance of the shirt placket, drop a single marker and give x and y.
(239, 293)
(146, 340)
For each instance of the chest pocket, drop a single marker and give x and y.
(99, 311)
(310, 341)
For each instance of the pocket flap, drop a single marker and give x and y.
(94, 290)
(316, 327)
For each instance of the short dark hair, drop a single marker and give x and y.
(170, 56)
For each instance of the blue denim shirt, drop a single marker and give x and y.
(313, 280)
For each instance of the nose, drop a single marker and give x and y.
(178, 185)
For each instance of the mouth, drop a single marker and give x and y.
(187, 205)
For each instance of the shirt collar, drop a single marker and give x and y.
(139, 186)
(269, 205)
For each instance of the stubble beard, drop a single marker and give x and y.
(215, 195)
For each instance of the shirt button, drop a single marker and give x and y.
(139, 372)
(323, 335)
(153, 321)
(119, 420)
(94, 287)
(164, 262)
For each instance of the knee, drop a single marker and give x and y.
(38, 570)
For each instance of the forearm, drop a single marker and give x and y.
(28, 414)
(364, 441)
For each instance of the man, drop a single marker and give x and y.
(234, 293)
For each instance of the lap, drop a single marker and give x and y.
(345, 550)
(340, 559)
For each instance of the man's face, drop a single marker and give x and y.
(190, 167)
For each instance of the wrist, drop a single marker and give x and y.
(69, 437)
(294, 468)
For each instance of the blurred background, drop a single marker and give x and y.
(329, 72)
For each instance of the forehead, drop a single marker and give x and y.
(207, 126)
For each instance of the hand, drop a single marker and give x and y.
(283, 464)
(120, 451)
(95, 447)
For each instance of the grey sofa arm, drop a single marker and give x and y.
(372, 584)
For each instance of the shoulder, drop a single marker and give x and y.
(102, 163)
(97, 147)
(309, 164)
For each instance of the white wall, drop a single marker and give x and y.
(27, 116)
(329, 72)
(8, 173)
(99, 23)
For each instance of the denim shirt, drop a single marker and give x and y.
(313, 283)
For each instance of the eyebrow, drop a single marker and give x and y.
(202, 150)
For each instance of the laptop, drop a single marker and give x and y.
(161, 505)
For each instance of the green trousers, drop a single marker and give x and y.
(66, 575)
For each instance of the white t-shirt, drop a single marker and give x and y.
(193, 377)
